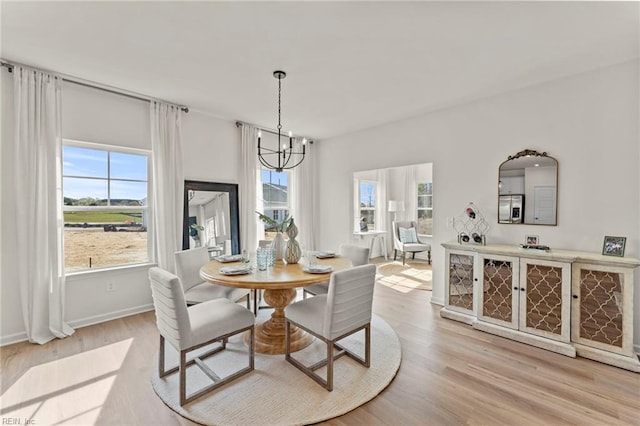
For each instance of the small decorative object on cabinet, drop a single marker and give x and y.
(471, 226)
(569, 302)
(614, 246)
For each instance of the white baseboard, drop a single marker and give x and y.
(437, 301)
(97, 319)
(84, 322)
(13, 338)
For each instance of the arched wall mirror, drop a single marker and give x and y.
(211, 217)
(528, 189)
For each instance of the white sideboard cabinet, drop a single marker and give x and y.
(573, 303)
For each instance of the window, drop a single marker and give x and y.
(275, 196)
(425, 208)
(105, 206)
(367, 205)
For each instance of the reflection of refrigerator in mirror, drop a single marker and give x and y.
(544, 205)
(511, 209)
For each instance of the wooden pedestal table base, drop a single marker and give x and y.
(279, 284)
(270, 335)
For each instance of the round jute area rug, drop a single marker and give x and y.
(277, 393)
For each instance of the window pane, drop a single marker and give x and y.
(425, 188)
(425, 222)
(368, 217)
(84, 192)
(84, 162)
(99, 239)
(275, 189)
(367, 194)
(128, 166)
(425, 201)
(125, 193)
(104, 238)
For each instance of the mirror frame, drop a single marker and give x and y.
(234, 215)
(529, 153)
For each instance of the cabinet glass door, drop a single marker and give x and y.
(542, 299)
(460, 288)
(598, 318)
(498, 299)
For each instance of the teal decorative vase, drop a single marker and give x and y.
(292, 253)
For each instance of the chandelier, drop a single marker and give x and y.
(283, 157)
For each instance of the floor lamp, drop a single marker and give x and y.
(395, 206)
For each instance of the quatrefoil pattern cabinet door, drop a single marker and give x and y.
(498, 290)
(545, 298)
(602, 314)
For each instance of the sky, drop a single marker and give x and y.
(82, 165)
(368, 194)
(271, 176)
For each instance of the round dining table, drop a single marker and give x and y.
(279, 283)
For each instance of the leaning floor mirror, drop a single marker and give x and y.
(211, 217)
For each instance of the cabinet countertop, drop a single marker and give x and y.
(554, 254)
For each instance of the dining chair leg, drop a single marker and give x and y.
(429, 257)
(330, 365)
(183, 377)
(395, 254)
(161, 372)
(255, 302)
(367, 346)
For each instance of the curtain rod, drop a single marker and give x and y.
(91, 84)
(273, 132)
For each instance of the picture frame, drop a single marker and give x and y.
(531, 240)
(614, 246)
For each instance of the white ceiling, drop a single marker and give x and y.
(350, 65)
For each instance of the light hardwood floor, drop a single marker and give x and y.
(450, 374)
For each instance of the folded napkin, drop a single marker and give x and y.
(319, 268)
(325, 254)
(236, 269)
(228, 258)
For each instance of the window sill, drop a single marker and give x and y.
(107, 270)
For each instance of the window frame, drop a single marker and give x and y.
(419, 209)
(368, 209)
(286, 208)
(146, 209)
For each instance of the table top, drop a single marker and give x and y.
(278, 277)
(364, 234)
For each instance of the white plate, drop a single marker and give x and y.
(318, 270)
(228, 258)
(236, 270)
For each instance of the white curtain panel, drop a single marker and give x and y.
(382, 211)
(303, 190)
(250, 190)
(167, 199)
(410, 194)
(37, 178)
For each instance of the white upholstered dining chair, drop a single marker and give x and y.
(190, 328)
(356, 254)
(343, 311)
(196, 290)
(406, 240)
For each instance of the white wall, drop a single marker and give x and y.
(588, 122)
(211, 153)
